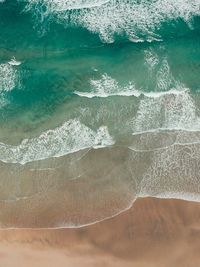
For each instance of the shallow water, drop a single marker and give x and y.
(99, 104)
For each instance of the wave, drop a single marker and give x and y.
(138, 20)
(168, 110)
(14, 62)
(8, 77)
(195, 197)
(173, 172)
(159, 72)
(169, 107)
(72, 136)
(107, 86)
(99, 185)
(63, 5)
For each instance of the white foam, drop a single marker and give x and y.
(150, 39)
(187, 196)
(170, 107)
(72, 136)
(172, 172)
(8, 77)
(161, 70)
(61, 5)
(53, 6)
(169, 110)
(107, 86)
(14, 62)
(178, 195)
(138, 20)
(164, 76)
(151, 60)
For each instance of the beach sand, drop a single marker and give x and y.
(153, 233)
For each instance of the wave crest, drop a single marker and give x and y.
(138, 20)
(72, 136)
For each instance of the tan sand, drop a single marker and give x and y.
(153, 233)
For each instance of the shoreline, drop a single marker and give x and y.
(153, 232)
(173, 197)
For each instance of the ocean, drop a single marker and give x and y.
(99, 105)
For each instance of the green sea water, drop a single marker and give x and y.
(85, 75)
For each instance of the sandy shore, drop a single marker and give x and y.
(153, 233)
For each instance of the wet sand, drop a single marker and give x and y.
(153, 233)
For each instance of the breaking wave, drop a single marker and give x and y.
(72, 136)
(9, 77)
(169, 110)
(60, 5)
(138, 20)
(107, 86)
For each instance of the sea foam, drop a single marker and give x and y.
(107, 86)
(138, 20)
(72, 136)
(170, 110)
(62, 5)
(8, 77)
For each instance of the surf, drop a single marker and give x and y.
(139, 21)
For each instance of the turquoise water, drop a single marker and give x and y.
(108, 74)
